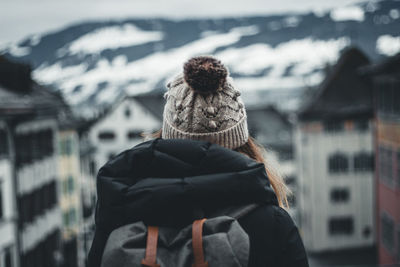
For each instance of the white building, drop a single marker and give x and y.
(334, 148)
(8, 242)
(29, 114)
(36, 172)
(120, 128)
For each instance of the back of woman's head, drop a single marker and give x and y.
(203, 104)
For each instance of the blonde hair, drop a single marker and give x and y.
(256, 152)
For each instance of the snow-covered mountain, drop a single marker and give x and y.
(93, 63)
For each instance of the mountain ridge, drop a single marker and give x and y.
(93, 63)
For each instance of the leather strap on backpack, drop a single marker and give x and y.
(150, 259)
(197, 243)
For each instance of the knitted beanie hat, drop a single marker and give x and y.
(202, 104)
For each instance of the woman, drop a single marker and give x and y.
(201, 161)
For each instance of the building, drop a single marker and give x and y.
(70, 194)
(88, 191)
(8, 229)
(272, 129)
(122, 125)
(29, 112)
(335, 151)
(386, 80)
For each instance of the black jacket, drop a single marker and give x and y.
(169, 182)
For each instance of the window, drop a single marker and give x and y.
(385, 165)
(363, 162)
(1, 200)
(8, 262)
(92, 167)
(290, 181)
(52, 189)
(66, 146)
(33, 146)
(36, 202)
(127, 112)
(340, 195)
(72, 216)
(3, 143)
(333, 126)
(389, 97)
(387, 231)
(367, 231)
(66, 218)
(398, 173)
(69, 217)
(362, 125)
(65, 187)
(341, 226)
(134, 134)
(33, 204)
(398, 242)
(106, 135)
(338, 163)
(20, 207)
(71, 184)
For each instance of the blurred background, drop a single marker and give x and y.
(80, 81)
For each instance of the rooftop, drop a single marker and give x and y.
(344, 92)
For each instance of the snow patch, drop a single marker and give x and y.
(292, 21)
(305, 55)
(113, 37)
(119, 73)
(348, 13)
(388, 45)
(274, 25)
(208, 33)
(319, 12)
(120, 61)
(394, 13)
(58, 73)
(18, 51)
(372, 6)
(246, 30)
(35, 40)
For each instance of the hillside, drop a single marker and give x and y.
(93, 63)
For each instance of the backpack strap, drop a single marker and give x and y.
(197, 243)
(150, 259)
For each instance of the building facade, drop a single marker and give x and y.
(88, 192)
(121, 128)
(70, 193)
(39, 214)
(386, 80)
(29, 113)
(8, 242)
(334, 150)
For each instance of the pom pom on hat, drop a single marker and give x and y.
(205, 74)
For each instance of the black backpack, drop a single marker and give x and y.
(218, 241)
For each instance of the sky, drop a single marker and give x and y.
(22, 18)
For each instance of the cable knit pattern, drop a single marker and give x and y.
(218, 117)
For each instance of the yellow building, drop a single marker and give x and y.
(70, 197)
